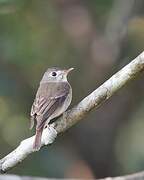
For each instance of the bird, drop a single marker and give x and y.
(52, 99)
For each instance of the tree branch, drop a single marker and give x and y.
(71, 117)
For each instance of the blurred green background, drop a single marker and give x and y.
(97, 38)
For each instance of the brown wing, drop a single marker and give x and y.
(35, 110)
(44, 113)
(49, 97)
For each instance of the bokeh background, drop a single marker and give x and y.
(97, 38)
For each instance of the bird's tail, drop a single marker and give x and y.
(37, 141)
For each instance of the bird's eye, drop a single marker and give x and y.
(54, 73)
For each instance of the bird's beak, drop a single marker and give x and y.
(68, 70)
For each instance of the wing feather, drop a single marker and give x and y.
(46, 103)
(48, 99)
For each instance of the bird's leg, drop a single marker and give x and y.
(51, 134)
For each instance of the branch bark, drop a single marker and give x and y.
(77, 113)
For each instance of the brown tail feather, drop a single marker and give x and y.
(37, 142)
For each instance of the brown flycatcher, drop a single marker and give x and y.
(53, 97)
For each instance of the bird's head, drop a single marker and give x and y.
(56, 75)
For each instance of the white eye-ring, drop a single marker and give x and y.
(53, 74)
